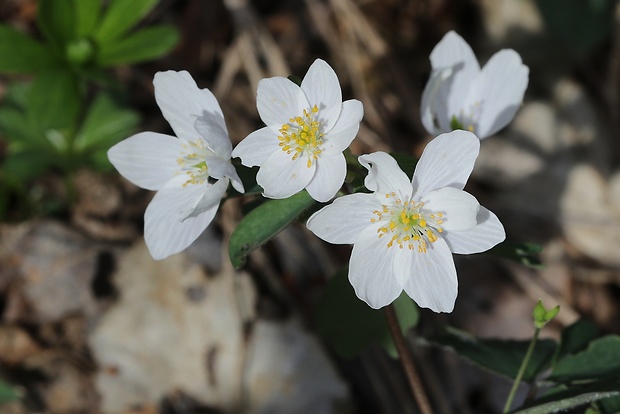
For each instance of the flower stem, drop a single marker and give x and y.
(524, 364)
(407, 361)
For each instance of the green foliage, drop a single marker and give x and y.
(580, 24)
(525, 253)
(349, 325)
(499, 356)
(601, 359)
(263, 223)
(563, 399)
(7, 393)
(22, 54)
(140, 46)
(120, 16)
(543, 316)
(455, 123)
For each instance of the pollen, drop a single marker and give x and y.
(193, 162)
(302, 136)
(408, 224)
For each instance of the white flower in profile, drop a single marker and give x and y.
(307, 130)
(459, 95)
(190, 173)
(404, 233)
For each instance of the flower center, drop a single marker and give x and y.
(467, 121)
(193, 162)
(302, 136)
(406, 225)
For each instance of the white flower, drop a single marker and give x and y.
(190, 173)
(459, 95)
(405, 232)
(307, 130)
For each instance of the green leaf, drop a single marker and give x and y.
(17, 128)
(601, 359)
(576, 337)
(571, 397)
(580, 24)
(56, 19)
(7, 393)
(609, 405)
(499, 356)
(105, 124)
(120, 16)
(53, 100)
(528, 254)
(349, 325)
(406, 163)
(24, 165)
(22, 54)
(87, 14)
(542, 316)
(146, 44)
(263, 223)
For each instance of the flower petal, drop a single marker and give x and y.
(281, 177)
(346, 128)
(499, 89)
(454, 52)
(279, 99)
(147, 159)
(328, 178)
(488, 233)
(434, 106)
(384, 175)
(181, 102)
(223, 169)
(257, 147)
(212, 195)
(164, 230)
(342, 221)
(216, 138)
(371, 270)
(459, 208)
(322, 88)
(446, 161)
(429, 278)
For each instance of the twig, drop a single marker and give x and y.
(406, 360)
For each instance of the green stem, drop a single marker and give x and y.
(524, 364)
(407, 361)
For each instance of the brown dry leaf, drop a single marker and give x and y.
(16, 345)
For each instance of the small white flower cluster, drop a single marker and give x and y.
(403, 233)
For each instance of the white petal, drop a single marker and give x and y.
(164, 231)
(322, 88)
(346, 128)
(216, 138)
(328, 178)
(211, 197)
(446, 161)
(257, 147)
(219, 168)
(279, 99)
(499, 90)
(459, 208)
(430, 280)
(223, 169)
(488, 233)
(384, 175)
(147, 159)
(342, 221)
(181, 102)
(434, 106)
(281, 177)
(454, 52)
(371, 270)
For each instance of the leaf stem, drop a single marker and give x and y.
(524, 364)
(407, 361)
